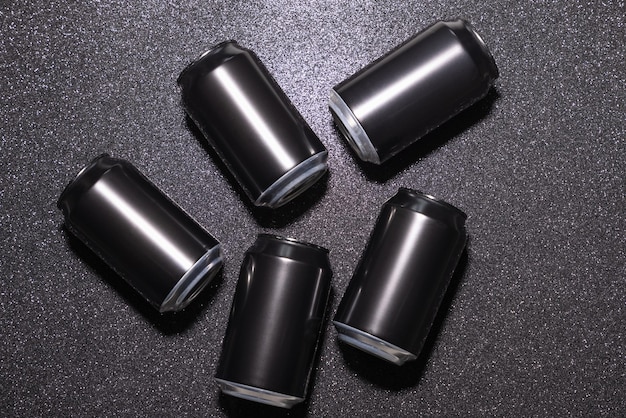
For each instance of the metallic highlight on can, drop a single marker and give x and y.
(252, 125)
(140, 233)
(275, 322)
(393, 297)
(413, 89)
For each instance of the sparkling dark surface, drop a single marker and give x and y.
(534, 321)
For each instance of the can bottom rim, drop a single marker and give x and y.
(193, 281)
(352, 129)
(255, 394)
(372, 345)
(294, 182)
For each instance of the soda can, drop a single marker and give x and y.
(391, 103)
(140, 233)
(275, 322)
(393, 297)
(252, 125)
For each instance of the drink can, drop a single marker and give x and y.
(252, 125)
(144, 236)
(275, 322)
(391, 103)
(393, 297)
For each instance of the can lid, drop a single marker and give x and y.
(468, 36)
(281, 247)
(424, 203)
(211, 58)
(85, 178)
(292, 241)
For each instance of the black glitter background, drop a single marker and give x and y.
(534, 321)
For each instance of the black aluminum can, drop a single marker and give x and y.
(393, 297)
(252, 125)
(275, 322)
(399, 98)
(140, 233)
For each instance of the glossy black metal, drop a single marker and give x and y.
(275, 322)
(393, 297)
(252, 125)
(413, 89)
(144, 236)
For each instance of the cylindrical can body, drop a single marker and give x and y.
(252, 125)
(396, 100)
(275, 322)
(137, 230)
(393, 297)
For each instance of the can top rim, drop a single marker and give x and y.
(293, 241)
(419, 194)
(491, 62)
(74, 182)
(205, 55)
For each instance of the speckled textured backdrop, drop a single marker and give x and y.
(534, 322)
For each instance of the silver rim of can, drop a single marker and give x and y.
(294, 182)
(351, 128)
(372, 345)
(193, 281)
(255, 394)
